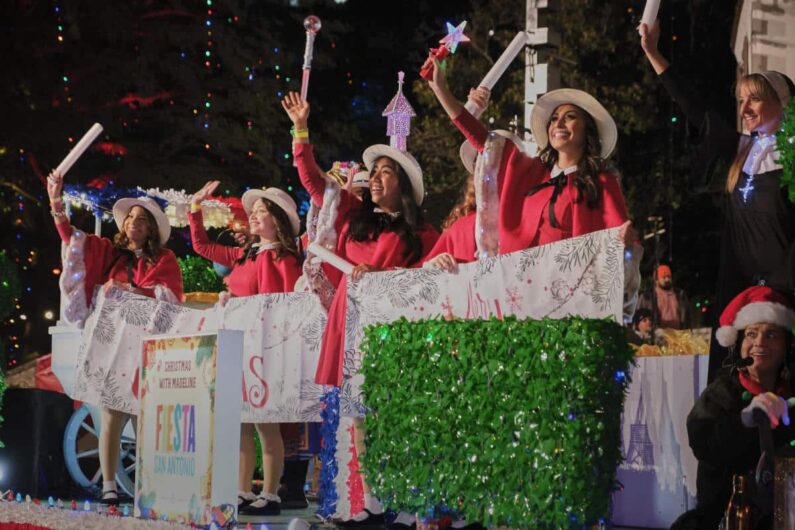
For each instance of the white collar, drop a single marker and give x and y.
(763, 156)
(138, 252)
(557, 171)
(393, 215)
(261, 247)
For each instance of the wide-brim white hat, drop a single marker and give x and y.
(469, 154)
(546, 105)
(361, 180)
(123, 206)
(406, 161)
(278, 197)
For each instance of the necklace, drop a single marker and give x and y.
(762, 146)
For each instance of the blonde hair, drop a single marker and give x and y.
(758, 87)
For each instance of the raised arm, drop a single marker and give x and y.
(474, 131)
(202, 245)
(55, 191)
(297, 110)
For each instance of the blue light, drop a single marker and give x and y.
(206, 125)
(276, 50)
(251, 77)
(208, 23)
(620, 375)
(182, 55)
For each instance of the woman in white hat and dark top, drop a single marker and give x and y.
(567, 190)
(384, 231)
(135, 260)
(267, 264)
(758, 237)
(722, 426)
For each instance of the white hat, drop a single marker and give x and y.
(546, 105)
(361, 180)
(406, 161)
(278, 197)
(122, 207)
(468, 153)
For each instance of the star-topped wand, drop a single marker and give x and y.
(455, 36)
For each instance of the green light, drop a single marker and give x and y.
(277, 67)
(207, 104)
(674, 119)
(286, 156)
(287, 79)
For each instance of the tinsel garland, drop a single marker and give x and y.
(785, 144)
(198, 275)
(32, 516)
(330, 417)
(510, 423)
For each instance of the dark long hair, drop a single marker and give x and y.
(367, 225)
(465, 205)
(591, 164)
(284, 233)
(152, 247)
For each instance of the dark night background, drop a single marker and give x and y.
(180, 107)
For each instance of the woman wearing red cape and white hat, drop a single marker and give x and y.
(267, 264)
(565, 192)
(136, 260)
(757, 328)
(383, 231)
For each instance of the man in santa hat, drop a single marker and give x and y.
(722, 427)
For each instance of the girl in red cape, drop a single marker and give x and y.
(267, 264)
(565, 191)
(135, 260)
(383, 231)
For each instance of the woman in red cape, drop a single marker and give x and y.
(267, 264)
(383, 231)
(135, 260)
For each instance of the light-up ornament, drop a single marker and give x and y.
(449, 44)
(312, 25)
(398, 114)
(455, 36)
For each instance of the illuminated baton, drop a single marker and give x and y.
(312, 26)
(329, 257)
(499, 67)
(79, 149)
(650, 12)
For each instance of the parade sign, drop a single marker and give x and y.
(189, 428)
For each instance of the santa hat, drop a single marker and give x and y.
(758, 304)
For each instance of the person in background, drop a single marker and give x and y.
(640, 331)
(670, 306)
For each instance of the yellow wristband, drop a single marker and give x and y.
(300, 133)
(195, 207)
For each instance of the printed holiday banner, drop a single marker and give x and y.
(282, 334)
(582, 276)
(188, 434)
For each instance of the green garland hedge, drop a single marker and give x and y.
(785, 143)
(198, 276)
(506, 422)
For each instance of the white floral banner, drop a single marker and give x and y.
(582, 276)
(280, 350)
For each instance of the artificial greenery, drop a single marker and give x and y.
(506, 422)
(785, 142)
(10, 290)
(198, 276)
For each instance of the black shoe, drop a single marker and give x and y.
(109, 498)
(257, 508)
(373, 519)
(242, 502)
(290, 503)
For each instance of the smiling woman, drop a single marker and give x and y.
(758, 239)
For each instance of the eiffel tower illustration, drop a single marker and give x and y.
(641, 450)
